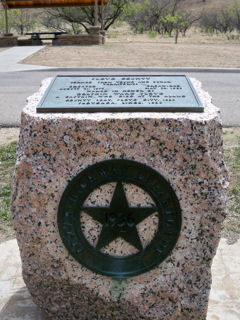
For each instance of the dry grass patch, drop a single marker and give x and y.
(126, 49)
(7, 163)
(231, 226)
(140, 54)
(8, 138)
(8, 135)
(121, 32)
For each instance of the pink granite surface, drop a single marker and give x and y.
(186, 148)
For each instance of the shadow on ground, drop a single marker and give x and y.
(21, 306)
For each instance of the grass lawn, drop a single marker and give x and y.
(231, 226)
(7, 163)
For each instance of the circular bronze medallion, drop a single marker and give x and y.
(119, 218)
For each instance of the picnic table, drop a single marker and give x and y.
(37, 38)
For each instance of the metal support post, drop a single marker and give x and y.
(6, 20)
(102, 18)
(96, 13)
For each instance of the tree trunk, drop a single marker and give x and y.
(96, 13)
(102, 19)
(176, 36)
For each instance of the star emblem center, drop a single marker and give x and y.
(119, 219)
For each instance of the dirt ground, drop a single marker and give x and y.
(7, 135)
(125, 49)
(231, 137)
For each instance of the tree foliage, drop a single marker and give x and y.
(76, 18)
(3, 22)
(164, 17)
(20, 20)
(23, 20)
(145, 15)
(223, 21)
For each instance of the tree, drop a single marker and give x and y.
(180, 22)
(208, 21)
(62, 19)
(145, 15)
(161, 16)
(77, 17)
(23, 20)
(19, 19)
(235, 11)
(3, 21)
(223, 21)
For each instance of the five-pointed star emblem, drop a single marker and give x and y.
(119, 220)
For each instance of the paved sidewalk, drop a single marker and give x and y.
(224, 303)
(10, 58)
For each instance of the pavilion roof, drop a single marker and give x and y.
(12, 4)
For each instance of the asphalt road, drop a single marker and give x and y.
(15, 87)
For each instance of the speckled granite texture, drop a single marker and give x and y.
(186, 148)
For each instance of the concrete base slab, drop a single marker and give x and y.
(224, 302)
(15, 299)
(16, 302)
